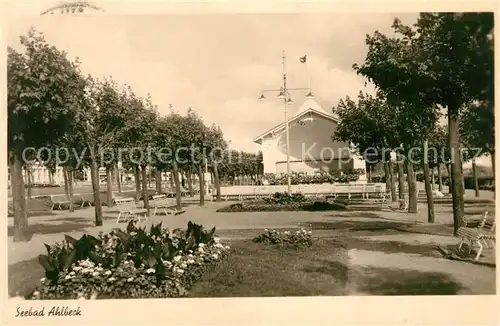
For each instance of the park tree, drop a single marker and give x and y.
(439, 152)
(445, 59)
(138, 135)
(216, 146)
(477, 132)
(41, 83)
(370, 124)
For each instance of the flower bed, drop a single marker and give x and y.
(129, 264)
(286, 238)
(317, 178)
(280, 202)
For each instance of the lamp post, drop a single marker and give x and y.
(284, 94)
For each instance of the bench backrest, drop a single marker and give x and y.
(487, 222)
(58, 198)
(125, 201)
(159, 197)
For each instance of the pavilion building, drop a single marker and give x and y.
(312, 149)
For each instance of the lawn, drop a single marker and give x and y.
(324, 269)
(255, 270)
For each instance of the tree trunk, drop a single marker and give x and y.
(145, 193)
(109, 188)
(450, 188)
(177, 182)
(19, 200)
(440, 178)
(428, 190)
(394, 195)
(474, 177)
(137, 177)
(387, 173)
(118, 178)
(401, 179)
(463, 179)
(29, 179)
(216, 182)
(456, 171)
(201, 178)
(158, 180)
(172, 179)
(66, 180)
(189, 178)
(433, 184)
(492, 154)
(94, 173)
(51, 178)
(412, 188)
(70, 190)
(150, 178)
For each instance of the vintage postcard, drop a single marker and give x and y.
(248, 163)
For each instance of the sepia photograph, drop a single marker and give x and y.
(165, 155)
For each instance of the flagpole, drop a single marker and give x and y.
(285, 91)
(308, 77)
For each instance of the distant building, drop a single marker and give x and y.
(311, 147)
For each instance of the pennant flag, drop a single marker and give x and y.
(303, 59)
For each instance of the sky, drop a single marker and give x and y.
(216, 64)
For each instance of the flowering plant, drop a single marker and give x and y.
(131, 264)
(285, 238)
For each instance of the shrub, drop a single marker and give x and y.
(289, 204)
(282, 198)
(317, 178)
(286, 238)
(42, 185)
(128, 264)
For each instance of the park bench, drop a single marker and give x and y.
(128, 207)
(58, 201)
(83, 200)
(162, 203)
(480, 236)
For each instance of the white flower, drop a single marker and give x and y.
(107, 273)
(215, 256)
(43, 279)
(36, 293)
(177, 258)
(266, 230)
(111, 279)
(68, 277)
(216, 239)
(190, 252)
(190, 261)
(95, 274)
(201, 245)
(180, 271)
(130, 279)
(310, 232)
(227, 247)
(150, 270)
(72, 273)
(190, 255)
(286, 232)
(201, 250)
(183, 265)
(133, 233)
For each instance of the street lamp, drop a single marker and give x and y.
(284, 94)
